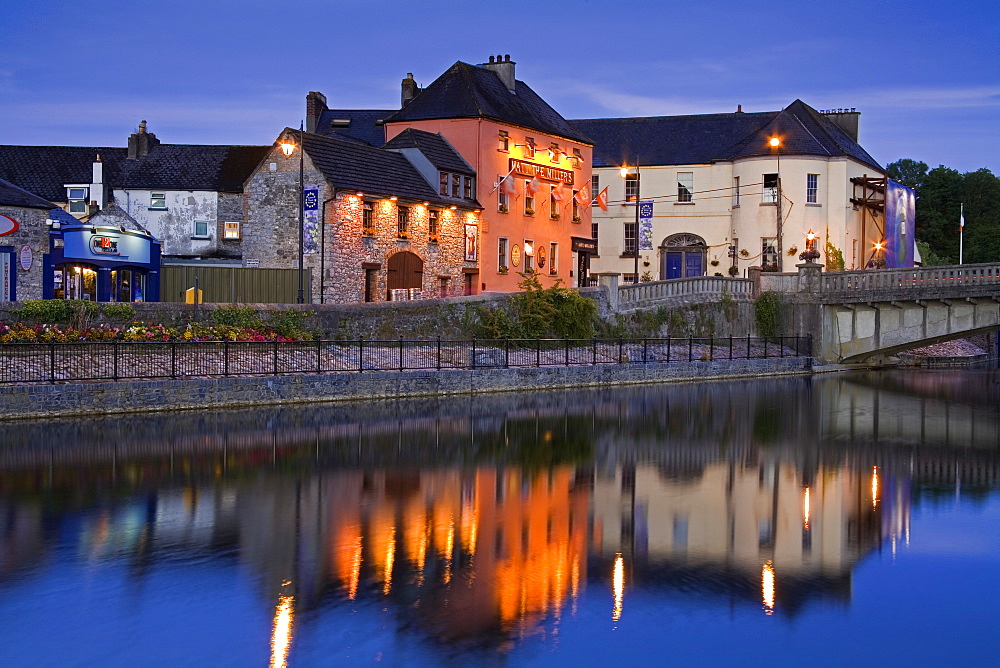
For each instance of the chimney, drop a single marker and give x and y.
(97, 183)
(504, 68)
(739, 109)
(140, 142)
(315, 106)
(410, 90)
(847, 120)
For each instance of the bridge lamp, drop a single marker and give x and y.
(811, 254)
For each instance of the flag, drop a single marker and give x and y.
(533, 186)
(961, 218)
(602, 199)
(557, 192)
(583, 195)
(509, 185)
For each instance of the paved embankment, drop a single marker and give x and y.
(33, 401)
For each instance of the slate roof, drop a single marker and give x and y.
(354, 166)
(363, 124)
(11, 195)
(112, 216)
(434, 147)
(706, 138)
(468, 91)
(46, 170)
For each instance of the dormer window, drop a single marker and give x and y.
(467, 185)
(77, 199)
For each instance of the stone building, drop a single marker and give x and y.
(721, 196)
(375, 226)
(23, 241)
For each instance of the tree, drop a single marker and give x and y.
(939, 200)
(981, 196)
(908, 172)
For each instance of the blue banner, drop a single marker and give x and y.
(310, 198)
(646, 224)
(900, 227)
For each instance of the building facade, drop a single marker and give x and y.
(374, 227)
(719, 196)
(23, 229)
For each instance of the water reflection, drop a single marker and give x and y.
(480, 523)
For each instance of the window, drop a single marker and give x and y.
(576, 207)
(529, 199)
(770, 195)
(504, 141)
(456, 185)
(529, 147)
(467, 186)
(529, 256)
(503, 200)
(593, 231)
(553, 258)
(685, 186)
(736, 191)
(502, 258)
(631, 244)
(231, 230)
(367, 219)
(554, 152)
(579, 157)
(812, 188)
(201, 229)
(553, 204)
(769, 252)
(77, 198)
(443, 188)
(595, 189)
(432, 224)
(631, 187)
(158, 200)
(443, 286)
(628, 279)
(402, 220)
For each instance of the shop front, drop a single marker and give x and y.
(104, 264)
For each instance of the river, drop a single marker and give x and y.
(840, 518)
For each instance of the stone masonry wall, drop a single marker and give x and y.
(31, 232)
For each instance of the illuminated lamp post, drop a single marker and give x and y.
(811, 254)
(288, 148)
(775, 143)
(624, 171)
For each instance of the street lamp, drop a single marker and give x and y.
(775, 143)
(811, 254)
(625, 174)
(288, 148)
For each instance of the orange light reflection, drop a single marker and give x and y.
(281, 634)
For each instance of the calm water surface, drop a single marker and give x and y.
(852, 518)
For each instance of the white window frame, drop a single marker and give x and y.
(769, 194)
(812, 188)
(81, 201)
(631, 188)
(529, 199)
(553, 204)
(158, 196)
(231, 230)
(553, 258)
(736, 191)
(529, 258)
(503, 254)
(595, 189)
(630, 249)
(768, 251)
(685, 180)
(503, 199)
(201, 235)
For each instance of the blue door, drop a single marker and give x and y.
(674, 265)
(693, 266)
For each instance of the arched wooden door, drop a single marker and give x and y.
(405, 270)
(682, 255)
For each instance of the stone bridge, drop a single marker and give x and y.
(854, 316)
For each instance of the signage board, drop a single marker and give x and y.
(646, 224)
(26, 257)
(103, 244)
(6, 281)
(584, 245)
(525, 168)
(7, 225)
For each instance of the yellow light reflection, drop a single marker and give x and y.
(352, 588)
(575, 583)
(281, 634)
(874, 486)
(390, 556)
(805, 508)
(767, 587)
(619, 586)
(449, 548)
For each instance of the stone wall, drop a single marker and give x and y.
(31, 232)
(24, 401)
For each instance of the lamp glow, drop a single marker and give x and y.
(774, 142)
(767, 587)
(619, 586)
(287, 148)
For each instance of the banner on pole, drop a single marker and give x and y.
(646, 224)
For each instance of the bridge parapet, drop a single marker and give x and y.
(948, 282)
(702, 288)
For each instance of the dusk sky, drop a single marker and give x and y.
(924, 75)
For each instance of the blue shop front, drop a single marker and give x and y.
(104, 264)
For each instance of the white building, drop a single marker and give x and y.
(713, 181)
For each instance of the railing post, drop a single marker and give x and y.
(748, 346)
(621, 351)
(319, 356)
(668, 350)
(401, 354)
(173, 359)
(439, 353)
(225, 358)
(473, 359)
(538, 352)
(645, 349)
(114, 355)
(594, 351)
(52, 363)
(506, 353)
(765, 347)
(276, 357)
(567, 351)
(361, 355)
(711, 349)
(730, 346)
(690, 348)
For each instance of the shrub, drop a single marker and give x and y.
(767, 313)
(123, 312)
(539, 312)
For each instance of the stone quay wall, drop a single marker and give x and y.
(35, 401)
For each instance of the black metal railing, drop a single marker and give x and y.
(111, 361)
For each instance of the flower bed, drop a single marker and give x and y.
(137, 332)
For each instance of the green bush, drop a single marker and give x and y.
(76, 312)
(116, 311)
(834, 258)
(767, 313)
(290, 323)
(246, 317)
(538, 313)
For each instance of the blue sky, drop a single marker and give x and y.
(925, 76)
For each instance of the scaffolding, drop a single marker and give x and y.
(869, 197)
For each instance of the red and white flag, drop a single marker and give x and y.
(583, 195)
(602, 199)
(509, 185)
(533, 186)
(557, 192)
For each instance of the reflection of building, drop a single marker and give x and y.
(734, 518)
